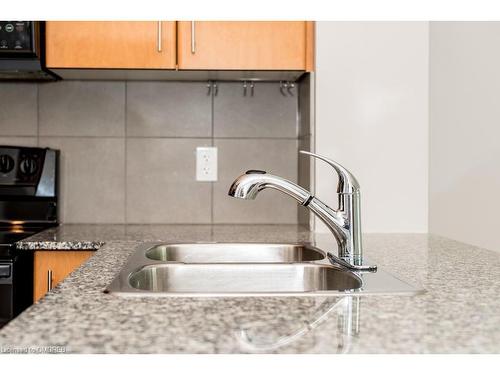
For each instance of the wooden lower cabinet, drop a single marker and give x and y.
(55, 265)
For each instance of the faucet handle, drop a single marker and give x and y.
(347, 182)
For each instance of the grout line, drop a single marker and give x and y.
(312, 143)
(212, 184)
(125, 220)
(212, 202)
(38, 114)
(299, 123)
(118, 136)
(298, 110)
(18, 136)
(212, 115)
(155, 137)
(429, 139)
(251, 138)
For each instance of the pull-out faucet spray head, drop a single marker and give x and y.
(248, 186)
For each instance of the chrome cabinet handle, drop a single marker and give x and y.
(159, 37)
(49, 280)
(193, 38)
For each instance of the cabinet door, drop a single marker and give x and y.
(253, 45)
(55, 266)
(103, 44)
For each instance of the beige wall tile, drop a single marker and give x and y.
(18, 109)
(92, 178)
(82, 108)
(161, 185)
(168, 109)
(276, 156)
(265, 114)
(19, 141)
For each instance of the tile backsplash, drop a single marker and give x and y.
(128, 148)
(168, 109)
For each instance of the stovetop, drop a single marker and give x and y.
(9, 235)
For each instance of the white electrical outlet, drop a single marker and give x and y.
(206, 163)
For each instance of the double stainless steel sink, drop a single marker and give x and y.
(244, 269)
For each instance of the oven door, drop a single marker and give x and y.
(6, 293)
(16, 285)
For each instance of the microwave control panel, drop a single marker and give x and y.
(17, 37)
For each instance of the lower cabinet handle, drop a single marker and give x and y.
(49, 280)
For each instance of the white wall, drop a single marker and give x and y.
(372, 116)
(465, 132)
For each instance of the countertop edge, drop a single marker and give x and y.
(59, 245)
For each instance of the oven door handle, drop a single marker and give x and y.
(5, 273)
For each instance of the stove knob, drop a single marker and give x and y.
(6, 163)
(28, 166)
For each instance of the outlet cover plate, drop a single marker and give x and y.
(206, 163)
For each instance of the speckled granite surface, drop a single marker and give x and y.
(459, 313)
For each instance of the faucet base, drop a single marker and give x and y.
(359, 268)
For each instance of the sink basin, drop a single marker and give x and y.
(242, 278)
(234, 253)
(244, 269)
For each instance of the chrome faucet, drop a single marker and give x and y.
(344, 223)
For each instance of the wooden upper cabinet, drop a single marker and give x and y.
(252, 45)
(117, 44)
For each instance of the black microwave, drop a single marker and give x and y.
(22, 52)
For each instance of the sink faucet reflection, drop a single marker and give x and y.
(348, 316)
(344, 223)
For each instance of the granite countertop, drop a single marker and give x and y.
(457, 314)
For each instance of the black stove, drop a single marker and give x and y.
(9, 235)
(28, 205)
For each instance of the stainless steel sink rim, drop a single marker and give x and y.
(233, 252)
(379, 282)
(243, 278)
